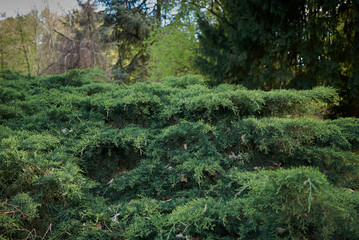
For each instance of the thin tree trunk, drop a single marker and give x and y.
(2, 58)
(354, 98)
(158, 12)
(24, 48)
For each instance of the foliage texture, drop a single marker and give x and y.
(85, 159)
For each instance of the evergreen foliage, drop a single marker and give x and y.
(130, 24)
(85, 159)
(284, 44)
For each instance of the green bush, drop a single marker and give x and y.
(176, 159)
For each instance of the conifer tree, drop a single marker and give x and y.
(277, 44)
(79, 47)
(130, 26)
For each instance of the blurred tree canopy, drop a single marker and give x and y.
(41, 43)
(19, 43)
(173, 51)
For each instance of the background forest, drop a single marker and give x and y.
(259, 44)
(179, 119)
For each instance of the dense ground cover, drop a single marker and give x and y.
(85, 159)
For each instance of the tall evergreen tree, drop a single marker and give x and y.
(130, 22)
(276, 44)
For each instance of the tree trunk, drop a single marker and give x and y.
(354, 94)
(24, 48)
(158, 12)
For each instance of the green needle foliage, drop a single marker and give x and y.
(283, 44)
(84, 159)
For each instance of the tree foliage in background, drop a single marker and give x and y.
(279, 44)
(85, 159)
(130, 23)
(260, 44)
(19, 38)
(151, 36)
(80, 46)
(173, 51)
(41, 43)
